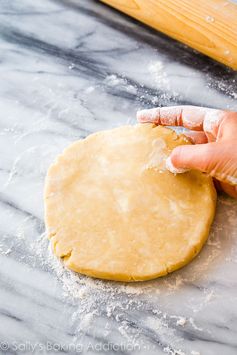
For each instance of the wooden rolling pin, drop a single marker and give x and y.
(210, 26)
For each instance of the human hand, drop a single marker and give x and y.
(214, 133)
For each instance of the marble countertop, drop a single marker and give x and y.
(69, 68)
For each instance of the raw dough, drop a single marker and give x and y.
(113, 210)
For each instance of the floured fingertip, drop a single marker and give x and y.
(169, 166)
(148, 115)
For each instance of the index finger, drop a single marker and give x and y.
(192, 117)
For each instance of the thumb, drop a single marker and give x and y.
(203, 157)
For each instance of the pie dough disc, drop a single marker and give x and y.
(113, 210)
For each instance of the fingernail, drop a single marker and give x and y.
(169, 166)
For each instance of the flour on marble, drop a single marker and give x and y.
(171, 351)
(227, 88)
(180, 320)
(160, 325)
(161, 80)
(192, 322)
(113, 80)
(158, 71)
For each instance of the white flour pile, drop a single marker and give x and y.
(114, 80)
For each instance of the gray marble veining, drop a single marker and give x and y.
(67, 69)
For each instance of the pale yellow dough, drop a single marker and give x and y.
(113, 211)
